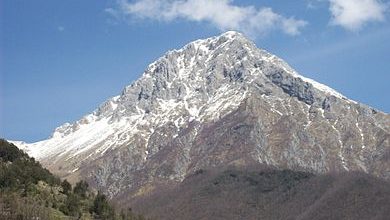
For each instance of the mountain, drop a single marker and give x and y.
(217, 101)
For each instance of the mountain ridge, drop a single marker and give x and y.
(165, 125)
(111, 103)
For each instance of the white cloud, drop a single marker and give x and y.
(354, 14)
(222, 14)
(112, 12)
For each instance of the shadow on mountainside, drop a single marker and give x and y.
(264, 193)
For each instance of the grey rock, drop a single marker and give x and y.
(217, 101)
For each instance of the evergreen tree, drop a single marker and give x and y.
(72, 206)
(66, 187)
(81, 189)
(101, 207)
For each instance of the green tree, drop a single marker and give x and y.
(66, 187)
(9, 152)
(101, 207)
(81, 189)
(72, 206)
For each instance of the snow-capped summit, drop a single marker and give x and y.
(216, 101)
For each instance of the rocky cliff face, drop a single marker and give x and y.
(214, 102)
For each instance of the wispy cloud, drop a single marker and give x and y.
(354, 14)
(361, 42)
(222, 14)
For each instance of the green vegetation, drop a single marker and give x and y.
(66, 187)
(18, 171)
(81, 189)
(101, 206)
(28, 191)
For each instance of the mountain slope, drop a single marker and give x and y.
(214, 102)
(28, 191)
(263, 193)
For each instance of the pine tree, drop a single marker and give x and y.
(81, 189)
(66, 187)
(101, 207)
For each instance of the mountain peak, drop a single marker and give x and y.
(232, 34)
(216, 101)
(226, 39)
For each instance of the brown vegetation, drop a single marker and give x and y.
(257, 193)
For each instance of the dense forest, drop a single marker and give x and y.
(28, 191)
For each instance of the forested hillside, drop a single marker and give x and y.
(28, 191)
(253, 193)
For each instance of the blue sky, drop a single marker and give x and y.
(60, 59)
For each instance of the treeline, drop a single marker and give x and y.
(28, 191)
(18, 171)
